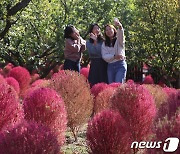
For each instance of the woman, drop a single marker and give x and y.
(113, 52)
(98, 67)
(74, 46)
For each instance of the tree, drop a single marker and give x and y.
(36, 41)
(156, 37)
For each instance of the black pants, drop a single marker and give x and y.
(72, 65)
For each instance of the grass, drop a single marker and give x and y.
(76, 147)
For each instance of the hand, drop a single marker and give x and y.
(119, 57)
(93, 36)
(117, 23)
(79, 40)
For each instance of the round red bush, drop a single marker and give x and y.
(107, 133)
(28, 138)
(97, 88)
(115, 84)
(164, 129)
(11, 111)
(130, 81)
(171, 105)
(40, 82)
(85, 71)
(34, 77)
(169, 91)
(148, 80)
(2, 80)
(14, 83)
(22, 75)
(102, 100)
(45, 106)
(7, 69)
(136, 105)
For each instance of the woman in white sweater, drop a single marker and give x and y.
(113, 52)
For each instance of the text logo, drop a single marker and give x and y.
(170, 144)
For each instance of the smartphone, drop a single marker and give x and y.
(116, 20)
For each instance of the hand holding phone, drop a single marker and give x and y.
(117, 22)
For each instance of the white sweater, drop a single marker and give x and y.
(108, 53)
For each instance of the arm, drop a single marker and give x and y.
(120, 33)
(106, 55)
(71, 45)
(120, 37)
(83, 44)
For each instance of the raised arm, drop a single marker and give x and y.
(73, 46)
(120, 33)
(120, 37)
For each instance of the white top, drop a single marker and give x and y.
(108, 53)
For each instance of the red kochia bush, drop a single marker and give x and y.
(164, 129)
(2, 80)
(11, 111)
(85, 71)
(1, 71)
(44, 105)
(169, 91)
(22, 75)
(34, 77)
(171, 105)
(40, 82)
(7, 68)
(14, 83)
(107, 133)
(115, 84)
(28, 138)
(137, 107)
(97, 88)
(148, 80)
(102, 100)
(130, 81)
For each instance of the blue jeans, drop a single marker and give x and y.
(72, 65)
(117, 71)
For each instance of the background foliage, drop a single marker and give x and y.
(31, 31)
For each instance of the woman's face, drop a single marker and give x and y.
(75, 34)
(109, 32)
(96, 30)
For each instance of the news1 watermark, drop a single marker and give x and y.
(169, 145)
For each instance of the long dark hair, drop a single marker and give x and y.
(68, 31)
(108, 42)
(99, 37)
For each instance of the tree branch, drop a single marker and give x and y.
(10, 12)
(6, 29)
(18, 7)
